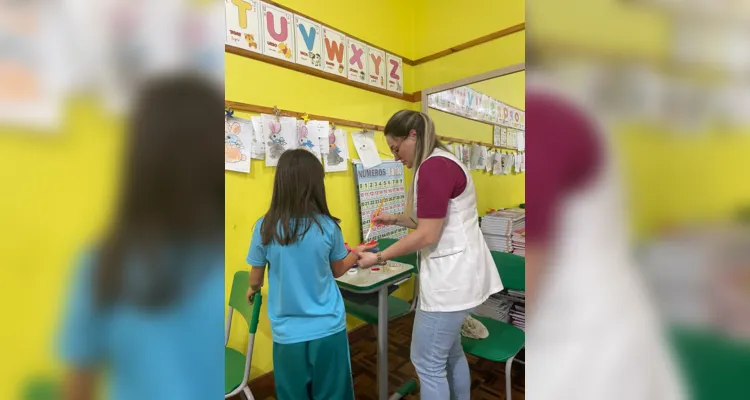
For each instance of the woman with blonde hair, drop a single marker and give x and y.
(457, 272)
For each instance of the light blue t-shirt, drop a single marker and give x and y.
(152, 354)
(304, 302)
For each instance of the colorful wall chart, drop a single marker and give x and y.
(278, 36)
(243, 24)
(277, 32)
(469, 103)
(386, 181)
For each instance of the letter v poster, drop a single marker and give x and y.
(384, 182)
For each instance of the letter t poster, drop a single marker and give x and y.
(384, 182)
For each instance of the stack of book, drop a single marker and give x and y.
(498, 227)
(518, 309)
(507, 306)
(518, 241)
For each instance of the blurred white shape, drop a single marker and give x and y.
(33, 71)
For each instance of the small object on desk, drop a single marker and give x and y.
(352, 271)
(376, 270)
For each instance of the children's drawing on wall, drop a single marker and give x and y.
(238, 136)
(281, 136)
(306, 139)
(487, 159)
(465, 157)
(258, 150)
(497, 166)
(338, 152)
(507, 163)
(364, 142)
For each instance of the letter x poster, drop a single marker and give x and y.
(386, 181)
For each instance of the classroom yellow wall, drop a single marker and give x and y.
(249, 81)
(58, 190)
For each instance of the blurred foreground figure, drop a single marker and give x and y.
(592, 334)
(146, 306)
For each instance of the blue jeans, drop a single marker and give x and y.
(438, 357)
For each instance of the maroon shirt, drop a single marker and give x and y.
(440, 179)
(563, 154)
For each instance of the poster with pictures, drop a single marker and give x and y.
(280, 135)
(487, 159)
(243, 24)
(278, 34)
(309, 42)
(338, 152)
(384, 182)
(238, 139)
(334, 51)
(356, 60)
(503, 137)
(496, 133)
(497, 166)
(376, 67)
(258, 150)
(395, 74)
(521, 140)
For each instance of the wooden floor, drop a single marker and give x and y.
(487, 378)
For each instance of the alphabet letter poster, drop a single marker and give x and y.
(334, 51)
(386, 181)
(243, 24)
(309, 42)
(395, 73)
(376, 67)
(278, 36)
(356, 56)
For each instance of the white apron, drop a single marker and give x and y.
(592, 334)
(457, 273)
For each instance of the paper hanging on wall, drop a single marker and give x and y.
(278, 34)
(466, 155)
(356, 60)
(497, 166)
(395, 73)
(496, 133)
(503, 137)
(517, 163)
(474, 156)
(318, 133)
(487, 159)
(238, 139)
(521, 140)
(334, 52)
(258, 150)
(307, 140)
(309, 42)
(364, 142)
(512, 136)
(338, 152)
(507, 163)
(243, 24)
(523, 162)
(280, 135)
(376, 67)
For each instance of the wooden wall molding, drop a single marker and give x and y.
(472, 43)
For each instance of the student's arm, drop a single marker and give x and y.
(256, 258)
(340, 260)
(80, 341)
(79, 384)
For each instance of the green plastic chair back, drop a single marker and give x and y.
(512, 269)
(410, 259)
(238, 301)
(41, 388)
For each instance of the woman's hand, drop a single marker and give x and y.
(362, 248)
(385, 219)
(367, 260)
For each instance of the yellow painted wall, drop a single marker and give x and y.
(57, 194)
(392, 27)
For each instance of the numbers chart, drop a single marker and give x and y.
(386, 181)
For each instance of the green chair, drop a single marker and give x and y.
(237, 365)
(504, 340)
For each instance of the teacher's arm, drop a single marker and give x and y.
(427, 234)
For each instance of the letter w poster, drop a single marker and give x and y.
(334, 50)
